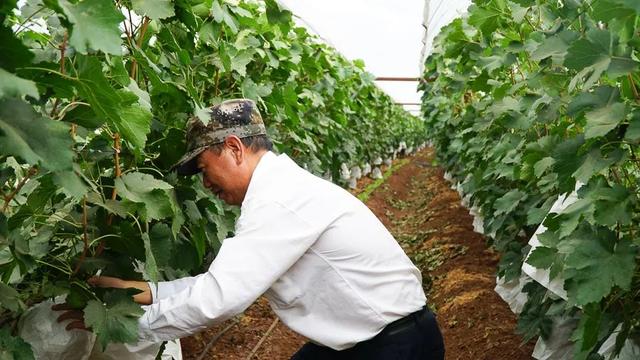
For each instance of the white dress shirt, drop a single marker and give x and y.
(329, 268)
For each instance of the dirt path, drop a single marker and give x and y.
(425, 215)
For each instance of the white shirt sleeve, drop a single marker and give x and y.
(165, 289)
(269, 239)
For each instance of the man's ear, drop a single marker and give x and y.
(237, 148)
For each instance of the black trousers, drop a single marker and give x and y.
(417, 336)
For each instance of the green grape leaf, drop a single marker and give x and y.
(9, 298)
(613, 205)
(599, 263)
(278, 15)
(586, 334)
(555, 46)
(542, 257)
(254, 91)
(595, 163)
(605, 119)
(240, 60)
(13, 86)
(95, 26)
(150, 265)
(594, 55)
(633, 131)
(71, 184)
(134, 124)
(154, 9)
(486, 18)
(536, 215)
(116, 322)
(14, 53)
(37, 140)
(14, 348)
(121, 109)
(161, 242)
(150, 193)
(509, 201)
(607, 10)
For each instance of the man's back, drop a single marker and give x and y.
(353, 279)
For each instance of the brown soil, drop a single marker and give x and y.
(426, 217)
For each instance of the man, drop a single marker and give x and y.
(329, 268)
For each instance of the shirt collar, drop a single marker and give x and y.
(262, 170)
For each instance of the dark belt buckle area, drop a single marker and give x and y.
(406, 323)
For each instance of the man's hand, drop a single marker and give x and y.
(143, 298)
(77, 316)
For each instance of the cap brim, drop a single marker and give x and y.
(187, 165)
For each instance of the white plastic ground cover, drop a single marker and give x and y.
(560, 347)
(542, 275)
(511, 292)
(630, 350)
(50, 340)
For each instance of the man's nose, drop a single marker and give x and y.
(205, 181)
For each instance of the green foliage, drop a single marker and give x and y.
(14, 348)
(93, 106)
(526, 100)
(113, 321)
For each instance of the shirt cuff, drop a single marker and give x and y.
(154, 292)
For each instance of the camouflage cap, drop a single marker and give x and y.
(238, 117)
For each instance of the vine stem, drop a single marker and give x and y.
(114, 192)
(216, 338)
(32, 171)
(85, 237)
(634, 88)
(143, 30)
(63, 47)
(264, 337)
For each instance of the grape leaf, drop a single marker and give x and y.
(555, 46)
(120, 109)
(14, 348)
(486, 18)
(117, 322)
(599, 263)
(607, 10)
(13, 86)
(509, 201)
(9, 298)
(154, 9)
(150, 193)
(594, 55)
(633, 131)
(542, 257)
(36, 139)
(14, 52)
(603, 120)
(150, 265)
(95, 25)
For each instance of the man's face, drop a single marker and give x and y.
(223, 175)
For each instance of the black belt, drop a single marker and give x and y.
(405, 323)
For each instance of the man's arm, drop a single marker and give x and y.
(268, 241)
(143, 298)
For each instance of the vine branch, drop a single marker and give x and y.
(63, 47)
(264, 337)
(85, 237)
(143, 30)
(114, 192)
(7, 199)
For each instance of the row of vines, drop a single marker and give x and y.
(94, 97)
(527, 100)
